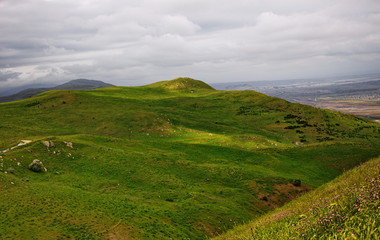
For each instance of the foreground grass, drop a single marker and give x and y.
(345, 208)
(149, 189)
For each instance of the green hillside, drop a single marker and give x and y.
(171, 160)
(346, 208)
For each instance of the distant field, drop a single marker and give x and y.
(357, 95)
(368, 108)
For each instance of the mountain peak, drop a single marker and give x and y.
(182, 83)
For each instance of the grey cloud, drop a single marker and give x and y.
(7, 75)
(216, 39)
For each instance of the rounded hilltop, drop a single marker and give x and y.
(182, 83)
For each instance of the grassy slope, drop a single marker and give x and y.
(345, 208)
(153, 162)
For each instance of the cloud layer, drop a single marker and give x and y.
(136, 42)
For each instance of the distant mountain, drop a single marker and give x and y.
(27, 93)
(13, 90)
(82, 84)
(77, 84)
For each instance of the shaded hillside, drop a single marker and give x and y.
(155, 163)
(346, 208)
(78, 84)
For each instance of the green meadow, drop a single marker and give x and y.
(171, 160)
(345, 208)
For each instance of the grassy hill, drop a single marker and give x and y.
(345, 208)
(176, 159)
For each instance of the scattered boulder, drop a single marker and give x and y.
(296, 182)
(11, 170)
(48, 143)
(299, 143)
(69, 144)
(37, 166)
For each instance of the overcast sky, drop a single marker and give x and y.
(135, 42)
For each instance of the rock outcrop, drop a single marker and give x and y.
(37, 166)
(48, 143)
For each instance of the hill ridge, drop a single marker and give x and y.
(182, 83)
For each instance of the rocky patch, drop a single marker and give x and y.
(37, 166)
